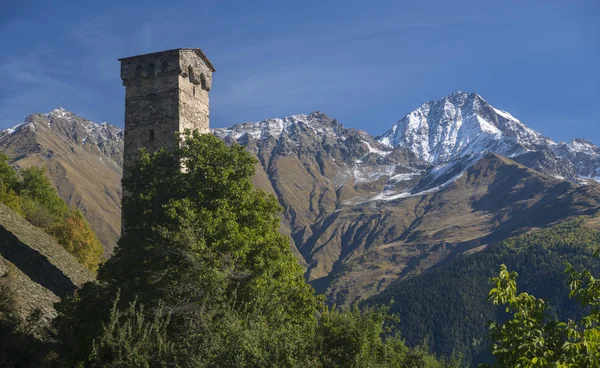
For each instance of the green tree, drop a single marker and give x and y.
(9, 180)
(531, 338)
(203, 242)
(77, 237)
(204, 247)
(131, 339)
(41, 203)
(8, 175)
(34, 197)
(366, 338)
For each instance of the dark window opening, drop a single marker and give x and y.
(203, 81)
(152, 135)
(191, 73)
(164, 66)
(194, 90)
(150, 70)
(138, 71)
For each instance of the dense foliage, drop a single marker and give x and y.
(448, 305)
(533, 338)
(203, 278)
(32, 196)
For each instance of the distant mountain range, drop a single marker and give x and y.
(454, 175)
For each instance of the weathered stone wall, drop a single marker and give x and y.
(151, 102)
(166, 92)
(195, 82)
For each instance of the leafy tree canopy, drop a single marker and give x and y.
(532, 338)
(218, 283)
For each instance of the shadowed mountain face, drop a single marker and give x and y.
(361, 211)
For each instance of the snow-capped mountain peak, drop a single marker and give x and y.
(105, 137)
(316, 122)
(460, 124)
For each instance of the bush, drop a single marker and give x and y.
(77, 237)
(36, 188)
(132, 339)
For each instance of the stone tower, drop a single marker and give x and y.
(165, 92)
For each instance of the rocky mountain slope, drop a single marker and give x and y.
(461, 124)
(83, 159)
(365, 211)
(362, 211)
(35, 269)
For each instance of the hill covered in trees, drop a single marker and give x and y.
(449, 304)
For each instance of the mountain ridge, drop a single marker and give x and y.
(357, 208)
(83, 160)
(521, 139)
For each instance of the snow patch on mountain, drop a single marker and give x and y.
(318, 123)
(12, 130)
(457, 125)
(365, 173)
(375, 150)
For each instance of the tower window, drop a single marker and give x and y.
(138, 71)
(191, 74)
(164, 66)
(203, 81)
(194, 90)
(152, 135)
(150, 70)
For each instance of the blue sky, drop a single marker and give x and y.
(365, 63)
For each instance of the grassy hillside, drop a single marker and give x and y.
(34, 266)
(30, 194)
(448, 305)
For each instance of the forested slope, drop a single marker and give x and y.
(448, 305)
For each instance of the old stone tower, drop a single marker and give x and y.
(165, 92)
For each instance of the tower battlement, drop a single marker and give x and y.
(165, 92)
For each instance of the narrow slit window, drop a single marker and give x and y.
(152, 135)
(138, 71)
(191, 74)
(203, 81)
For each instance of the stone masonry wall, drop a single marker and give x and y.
(151, 102)
(166, 92)
(195, 82)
